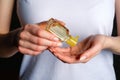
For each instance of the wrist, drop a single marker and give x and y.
(112, 43)
(108, 42)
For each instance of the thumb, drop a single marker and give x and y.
(89, 54)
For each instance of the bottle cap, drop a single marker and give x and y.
(72, 41)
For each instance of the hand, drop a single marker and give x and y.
(82, 52)
(34, 39)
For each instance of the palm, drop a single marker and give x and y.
(89, 47)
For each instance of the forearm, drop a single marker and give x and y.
(6, 8)
(113, 44)
(8, 43)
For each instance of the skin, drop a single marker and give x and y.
(31, 38)
(33, 42)
(83, 51)
(91, 46)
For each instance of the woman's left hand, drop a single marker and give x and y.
(82, 52)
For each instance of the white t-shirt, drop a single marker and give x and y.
(83, 18)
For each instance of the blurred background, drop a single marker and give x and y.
(9, 68)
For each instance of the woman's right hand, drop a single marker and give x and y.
(34, 39)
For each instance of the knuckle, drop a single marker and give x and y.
(37, 48)
(42, 48)
(21, 34)
(39, 32)
(39, 41)
(21, 42)
(27, 26)
(22, 50)
(50, 44)
(54, 44)
(36, 40)
(51, 37)
(19, 49)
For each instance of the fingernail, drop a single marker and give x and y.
(59, 44)
(83, 58)
(56, 39)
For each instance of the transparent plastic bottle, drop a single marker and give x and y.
(61, 32)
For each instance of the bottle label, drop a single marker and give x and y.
(61, 32)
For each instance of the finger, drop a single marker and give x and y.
(63, 58)
(29, 37)
(39, 41)
(89, 54)
(35, 30)
(28, 51)
(66, 56)
(31, 46)
(69, 51)
(67, 59)
(63, 51)
(59, 49)
(82, 44)
(45, 42)
(88, 44)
